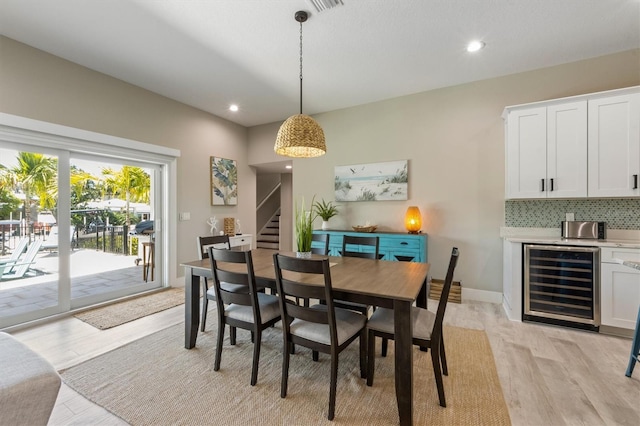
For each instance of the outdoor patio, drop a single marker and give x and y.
(92, 272)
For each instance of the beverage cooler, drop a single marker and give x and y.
(562, 285)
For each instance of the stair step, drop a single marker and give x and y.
(268, 239)
(270, 233)
(268, 245)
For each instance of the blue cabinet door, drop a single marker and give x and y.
(400, 247)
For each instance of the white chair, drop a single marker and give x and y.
(15, 270)
(15, 254)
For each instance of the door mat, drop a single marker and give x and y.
(119, 313)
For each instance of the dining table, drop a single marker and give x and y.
(388, 284)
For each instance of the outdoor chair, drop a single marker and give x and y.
(51, 241)
(15, 254)
(15, 270)
(427, 331)
(322, 328)
(243, 306)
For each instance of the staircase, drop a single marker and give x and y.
(269, 236)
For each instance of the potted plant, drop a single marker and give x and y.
(326, 210)
(304, 228)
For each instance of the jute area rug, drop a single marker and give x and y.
(156, 381)
(132, 309)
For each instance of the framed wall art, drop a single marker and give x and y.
(224, 182)
(372, 182)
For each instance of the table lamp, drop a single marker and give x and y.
(413, 220)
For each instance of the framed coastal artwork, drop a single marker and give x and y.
(386, 181)
(224, 182)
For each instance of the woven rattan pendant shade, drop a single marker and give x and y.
(300, 136)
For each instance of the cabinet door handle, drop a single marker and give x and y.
(542, 180)
(635, 181)
(404, 243)
(551, 185)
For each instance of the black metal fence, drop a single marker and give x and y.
(109, 239)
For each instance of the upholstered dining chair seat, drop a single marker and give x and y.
(422, 319)
(348, 323)
(269, 309)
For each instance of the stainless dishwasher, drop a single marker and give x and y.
(562, 285)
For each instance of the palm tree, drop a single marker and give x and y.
(131, 182)
(35, 175)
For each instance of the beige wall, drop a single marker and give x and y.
(44, 87)
(454, 141)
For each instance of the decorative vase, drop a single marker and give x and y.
(303, 254)
(325, 225)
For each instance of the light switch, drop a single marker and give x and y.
(185, 216)
(570, 217)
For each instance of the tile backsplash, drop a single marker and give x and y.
(619, 213)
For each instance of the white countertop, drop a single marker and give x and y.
(616, 238)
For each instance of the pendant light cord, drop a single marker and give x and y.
(301, 67)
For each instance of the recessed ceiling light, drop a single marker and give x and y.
(288, 166)
(475, 45)
(233, 107)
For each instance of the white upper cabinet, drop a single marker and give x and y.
(614, 146)
(584, 146)
(567, 146)
(526, 153)
(547, 151)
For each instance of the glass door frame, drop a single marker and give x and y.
(66, 142)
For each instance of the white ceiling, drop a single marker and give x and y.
(209, 54)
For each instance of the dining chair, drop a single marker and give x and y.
(242, 306)
(219, 241)
(351, 245)
(322, 239)
(322, 328)
(427, 331)
(323, 250)
(635, 348)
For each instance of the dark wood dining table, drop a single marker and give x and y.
(388, 284)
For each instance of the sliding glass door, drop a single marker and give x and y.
(76, 229)
(111, 232)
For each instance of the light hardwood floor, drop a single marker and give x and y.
(549, 375)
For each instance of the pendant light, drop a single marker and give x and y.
(300, 135)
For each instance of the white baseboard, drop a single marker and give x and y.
(481, 295)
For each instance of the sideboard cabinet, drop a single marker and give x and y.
(396, 246)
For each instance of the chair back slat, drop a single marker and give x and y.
(233, 277)
(234, 297)
(323, 239)
(296, 289)
(218, 241)
(319, 316)
(351, 246)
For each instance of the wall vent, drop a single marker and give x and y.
(321, 5)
